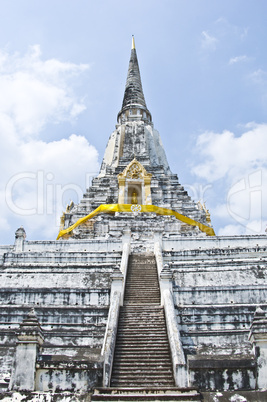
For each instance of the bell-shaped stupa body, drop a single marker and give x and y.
(134, 170)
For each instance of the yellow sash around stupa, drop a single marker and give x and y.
(111, 208)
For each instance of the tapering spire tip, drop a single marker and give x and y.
(133, 43)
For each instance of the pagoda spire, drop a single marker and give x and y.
(134, 104)
(133, 42)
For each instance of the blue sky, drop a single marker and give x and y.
(63, 67)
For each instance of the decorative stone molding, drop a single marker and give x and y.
(30, 339)
(258, 337)
(20, 236)
(165, 281)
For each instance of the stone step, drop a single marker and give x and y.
(140, 279)
(141, 292)
(136, 279)
(129, 361)
(132, 357)
(142, 333)
(160, 373)
(143, 378)
(150, 308)
(141, 273)
(152, 391)
(147, 308)
(135, 353)
(144, 294)
(147, 297)
(143, 318)
(153, 345)
(132, 329)
(153, 330)
(142, 267)
(134, 311)
(135, 283)
(139, 318)
(135, 394)
(143, 288)
(132, 326)
(143, 345)
(137, 314)
(142, 282)
(144, 297)
(137, 364)
(143, 371)
(145, 353)
(146, 397)
(141, 341)
(133, 301)
(141, 382)
(150, 322)
(145, 394)
(134, 322)
(132, 291)
(141, 365)
(138, 287)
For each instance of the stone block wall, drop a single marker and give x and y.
(68, 284)
(217, 284)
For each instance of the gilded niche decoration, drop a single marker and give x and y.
(134, 184)
(202, 207)
(134, 172)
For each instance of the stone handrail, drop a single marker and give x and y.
(126, 250)
(158, 256)
(178, 358)
(116, 300)
(110, 337)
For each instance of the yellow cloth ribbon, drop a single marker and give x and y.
(109, 208)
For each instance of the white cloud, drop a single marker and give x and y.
(38, 178)
(34, 92)
(228, 230)
(226, 154)
(50, 174)
(259, 76)
(240, 163)
(236, 229)
(208, 42)
(238, 59)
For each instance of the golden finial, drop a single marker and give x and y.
(133, 44)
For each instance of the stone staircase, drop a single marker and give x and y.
(142, 367)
